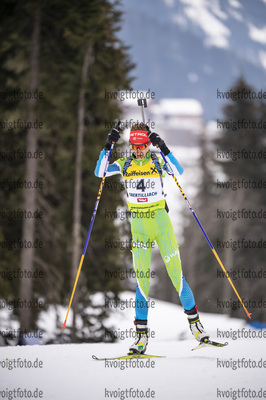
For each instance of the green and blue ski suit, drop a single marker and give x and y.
(149, 222)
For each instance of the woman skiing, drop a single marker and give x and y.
(143, 172)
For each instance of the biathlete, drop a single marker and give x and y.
(143, 172)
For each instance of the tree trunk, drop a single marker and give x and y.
(230, 230)
(28, 228)
(76, 233)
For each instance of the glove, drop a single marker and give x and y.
(113, 136)
(158, 142)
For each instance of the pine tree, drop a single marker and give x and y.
(199, 264)
(243, 141)
(66, 31)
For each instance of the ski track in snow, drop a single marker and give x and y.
(70, 373)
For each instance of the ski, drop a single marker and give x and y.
(209, 343)
(127, 357)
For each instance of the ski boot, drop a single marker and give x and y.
(141, 342)
(196, 326)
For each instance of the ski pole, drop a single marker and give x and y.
(91, 225)
(144, 104)
(204, 233)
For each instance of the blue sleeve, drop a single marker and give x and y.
(112, 169)
(174, 163)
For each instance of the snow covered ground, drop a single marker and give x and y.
(68, 371)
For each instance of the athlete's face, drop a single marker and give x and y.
(139, 152)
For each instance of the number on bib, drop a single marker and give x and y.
(141, 186)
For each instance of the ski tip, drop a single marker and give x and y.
(209, 343)
(94, 357)
(64, 325)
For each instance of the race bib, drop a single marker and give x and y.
(143, 184)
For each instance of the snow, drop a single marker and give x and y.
(262, 57)
(184, 107)
(180, 20)
(192, 77)
(207, 14)
(235, 14)
(259, 35)
(68, 372)
(170, 3)
(235, 3)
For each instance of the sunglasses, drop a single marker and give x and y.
(139, 146)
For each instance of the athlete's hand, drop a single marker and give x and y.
(158, 142)
(112, 137)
